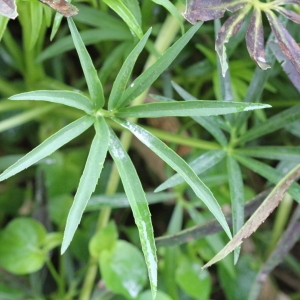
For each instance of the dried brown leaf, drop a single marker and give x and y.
(62, 6)
(205, 10)
(286, 42)
(259, 216)
(255, 40)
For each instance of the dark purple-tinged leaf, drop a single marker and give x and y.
(62, 6)
(205, 10)
(259, 216)
(287, 66)
(286, 2)
(255, 40)
(8, 8)
(229, 28)
(293, 16)
(286, 42)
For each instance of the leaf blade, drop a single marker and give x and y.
(152, 73)
(187, 108)
(51, 144)
(120, 8)
(198, 165)
(122, 78)
(259, 216)
(179, 165)
(68, 98)
(88, 180)
(90, 74)
(138, 204)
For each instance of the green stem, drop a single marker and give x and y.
(166, 35)
(56, 277)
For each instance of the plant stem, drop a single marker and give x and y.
(166, 35)
(56, 277)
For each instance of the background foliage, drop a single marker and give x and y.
(109, 82)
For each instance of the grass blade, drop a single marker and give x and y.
(274, 123)
(121, 81)
(50, 145)
(199, 165)
(88, 180)
(68, 98)
(120, 8)
(237, 198)
(259, 216)
(138, 204)
(269, 173)
(180, 166)
(151, 74)
(90, 74)
(271, 152)
(186, 108)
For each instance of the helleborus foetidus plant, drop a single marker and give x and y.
(205, 10)
(105, 140)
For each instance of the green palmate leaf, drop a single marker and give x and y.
(269, 173)
(259, 216)
(180, 166)
(151, 74)
(138, 204)
(205, 10)
(120, 8)
(186, 108)
(72, 99)
(287, 44)
(50, 145)
(229, 28)
(255, 40)
(272, 152)
(121, 81)
(199, 165)
(276, 122)
(88, 180)
(120, 200)
(237, 198)
(90, 74)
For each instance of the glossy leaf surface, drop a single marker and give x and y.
(180, 166)
(186, 108)
(68, 98)
(138, 204)
(88, 180)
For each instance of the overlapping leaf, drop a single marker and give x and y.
(205, 10)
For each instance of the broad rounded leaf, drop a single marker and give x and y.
(20, 246)
(123, 269)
